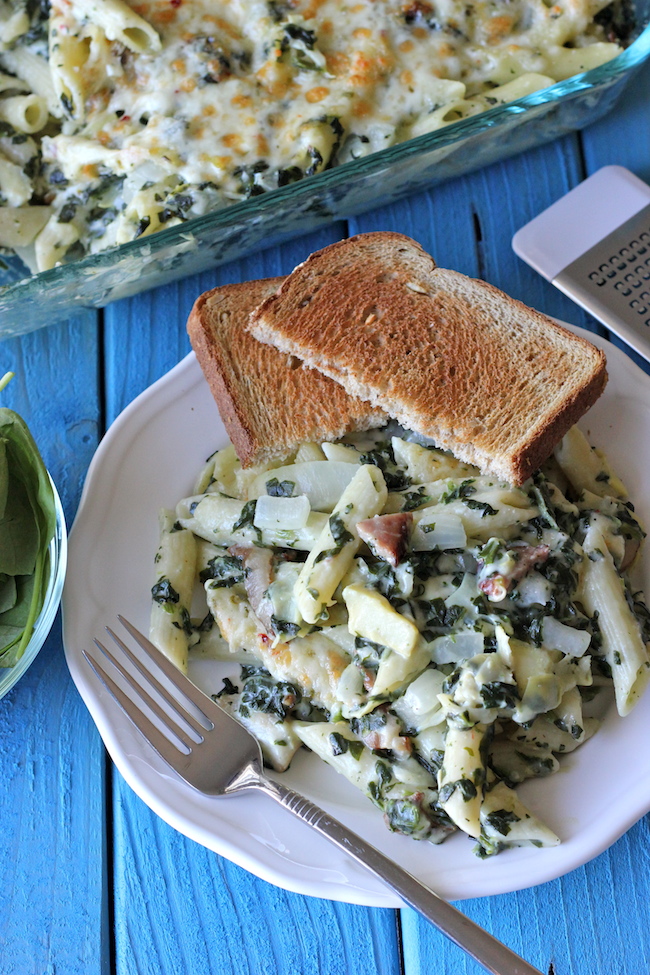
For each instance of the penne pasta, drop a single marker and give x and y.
(439, 662)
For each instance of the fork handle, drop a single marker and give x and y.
(481, 946)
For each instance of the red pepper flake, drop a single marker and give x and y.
(176, 3)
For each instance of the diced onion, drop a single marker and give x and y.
(289, 513)
(341, 636)
(419, 704)
(533, 590)
(566, 639)
(460, 646)
(422, 694)
(441, 530)
(323, 481)
(350, 684)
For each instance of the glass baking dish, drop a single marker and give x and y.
(28, 302)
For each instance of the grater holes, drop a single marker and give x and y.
(627, 268)
(612, 279)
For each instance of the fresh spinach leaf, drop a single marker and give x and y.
(27, 525)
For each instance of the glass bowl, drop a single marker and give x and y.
(28, 302)
(57, 561)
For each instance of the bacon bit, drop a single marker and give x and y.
(258, 572)
(369, 678)
(528, 556)
(631, 549)
(289, 700)
(497, 586)
(388, 736)
(387, 535)
(406, 745)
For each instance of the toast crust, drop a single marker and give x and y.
(451, 357)
(269, 402)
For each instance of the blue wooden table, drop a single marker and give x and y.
(91, 881)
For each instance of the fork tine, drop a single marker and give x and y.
(200, 700)
(147, 728)
(150, 679)
(163, 716)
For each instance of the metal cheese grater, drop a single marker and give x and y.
(594, 245)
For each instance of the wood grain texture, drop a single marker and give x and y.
(594, 921)
(52, 811)
(181, 908)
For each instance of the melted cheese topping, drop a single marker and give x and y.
(170, 108)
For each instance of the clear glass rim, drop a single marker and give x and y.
(305, 190)
(58, 559)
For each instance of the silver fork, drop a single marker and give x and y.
(217, 756)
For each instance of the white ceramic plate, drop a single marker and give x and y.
(149, 459)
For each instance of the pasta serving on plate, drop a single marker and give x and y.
(120, 118)
(434, 634)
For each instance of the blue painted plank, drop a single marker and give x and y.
(594, 921)
(181, 908)
(177, 906)
(52, 905)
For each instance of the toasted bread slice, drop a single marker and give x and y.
(269, 402)
(451, 357)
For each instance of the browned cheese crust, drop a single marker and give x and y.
(269, 402)
(449, 356)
